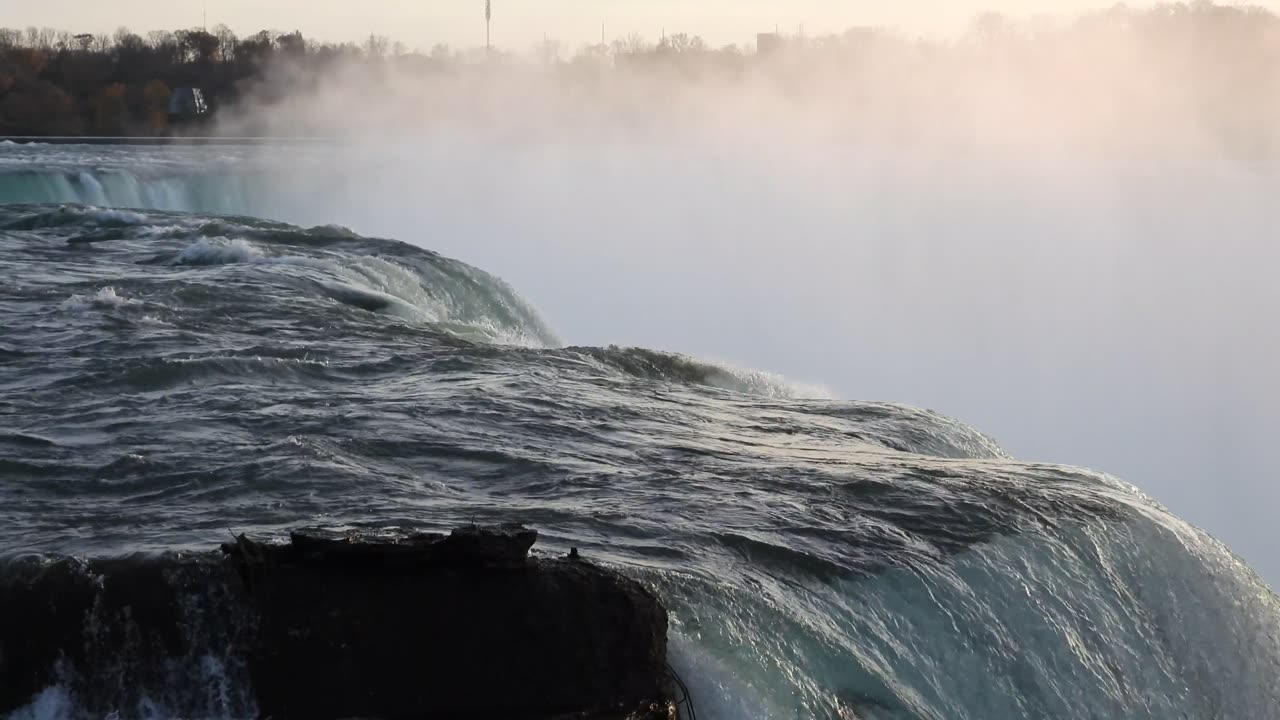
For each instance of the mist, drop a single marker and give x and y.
(1058, 233)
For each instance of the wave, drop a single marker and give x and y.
(105, 297)
(79, 216)
(917, 430)
(675, 367)
(373, 275)
(206, 251)
(174, 185)
(328, 263)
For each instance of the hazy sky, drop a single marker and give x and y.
(519, 23)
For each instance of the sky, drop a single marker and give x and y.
(518, 24)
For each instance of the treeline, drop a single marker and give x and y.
(60, 83)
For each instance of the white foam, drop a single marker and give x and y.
(53, 703)
(217, 251)
(105, 297)
(108, 216)
(765, 384)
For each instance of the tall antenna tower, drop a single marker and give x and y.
(488, 16)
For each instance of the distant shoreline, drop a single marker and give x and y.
(177, 140)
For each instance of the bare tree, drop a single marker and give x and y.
(227, 43)
(632, 43)
(682, 43)
(376, 46)
(41, 38)
(198, 45)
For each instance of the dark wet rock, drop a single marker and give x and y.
(119, 633)
(460, 626)
(338, 624)
(505, 545)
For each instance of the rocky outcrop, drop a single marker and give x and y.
(339, 625)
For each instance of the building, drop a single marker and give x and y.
(187, 105)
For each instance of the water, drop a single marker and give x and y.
(170, 373)
(1105, 311)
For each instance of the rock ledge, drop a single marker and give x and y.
(343, 624)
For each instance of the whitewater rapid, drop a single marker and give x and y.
(174, 367)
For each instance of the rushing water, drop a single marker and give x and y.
(169, 373)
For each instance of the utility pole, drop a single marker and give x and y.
(488, 16)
